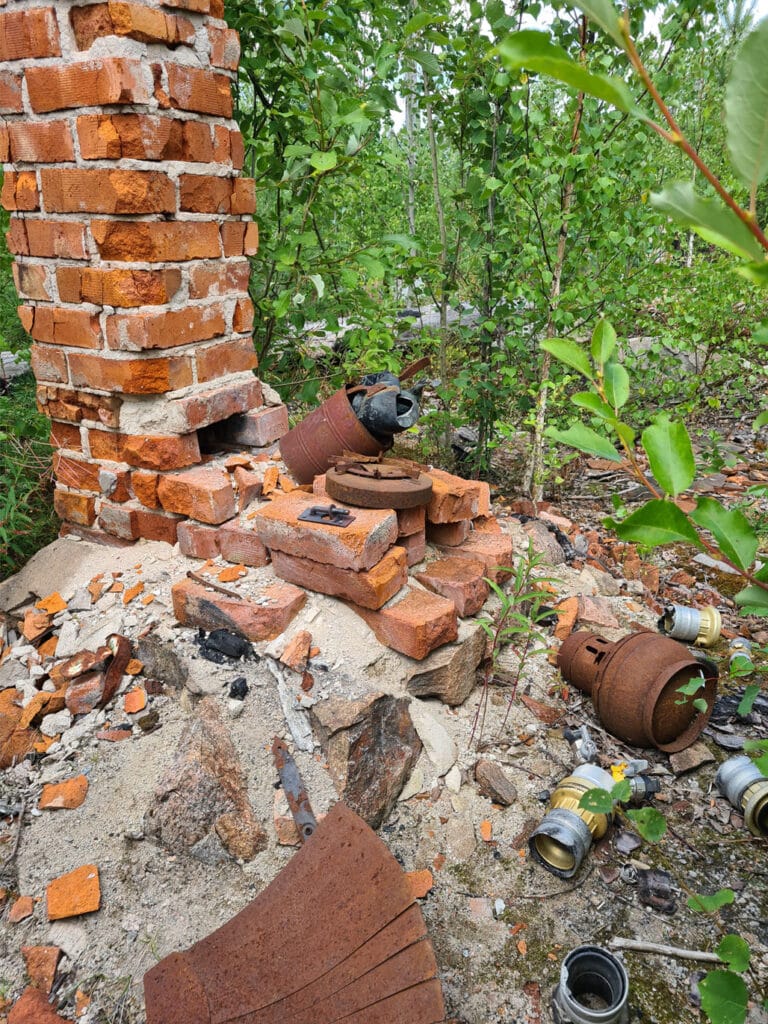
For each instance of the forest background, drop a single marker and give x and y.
(401, 167)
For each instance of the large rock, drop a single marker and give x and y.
(371, 747)
(201, 804)
(449, 673)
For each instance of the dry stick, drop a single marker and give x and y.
(214, 586)
(9, 859)
(635, 946)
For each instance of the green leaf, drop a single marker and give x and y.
(319, 284)
(710, 218)
(701, 705)
(604, 14)
(710, 904)
(570, 353)
(622, 792)
(594, 403)
(747, 701)
(375, 267)
(650, 823)
(428, 62)
(724, 997)
(692, 686)
(761, 421)
(658, 522)
(754, 598)
(616, 381)
(535, 51)
(603, 342)
(668, 447)
(323, 160)
(734, 951)
(598, 801)
(746, 109)
(586, 440)
(731, 529)
(756, 272)
(421, 20)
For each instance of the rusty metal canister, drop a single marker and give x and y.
(635, 686)
(328, 431)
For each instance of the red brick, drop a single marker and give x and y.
(486, 524)
(201, 6)
(119, 521)
(249, 487)
(45, 142)
(369, 588)
(194, 605)
(19, 191)
(60, 325)
(10, 93)
(222, 144)
(200, 90)
(204, 493)
(415, 545)
(49, 364)
(242, 318)
(73, 894)
(219, 278)
(5, 144)
(32, 33)
(78, 474)
(74, 406)
(215, 404)
(134, 332)
(41, 961)
(225, 48)
(458, 579)
(128, 19)
(31, 280)
(99, 82)
(240, 545)
(452, 498)
(198, 541)
(114, 482)
(144, 486)
(484, 504)
(243, 196)
(70, 190)
(130, 376)
(233, 237)
(410, 520)
(449, 534)
(32, 1007)
(48, 238)
(205, 193)
(358, 546)
(144, 137)
(67, 795)
(227, 357)
(124, 288)
(494, 550)
(251, 240)
(237, 149)
(157, 526)
(66, 435)
(156, 242)
(155, 452)
(259, 428)
(76, 508)
(414, 622)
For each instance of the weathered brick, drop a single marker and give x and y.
(225, 48)
(198, 541)
(144, 137)
(461, 580)
(204, 493)
(144, 486)
(157, 525)
(453, 498)
(234, 356)
(233, 237)
(66, 435)
(493, 550)
(124, 288)
(415, 545)
(200, 90)
(205, 193)
(200, 6)
(79, 474)
(242, 318)
(97, 82)
(414, 622)
(48, 238)
(10, 93)
(76, 508)
(251, 240)
(249, 487)
(358, 546)
(129, 19)
(449, 534)
(156, 242)
(239, 544)
(410, 520)
(19, 191)
(68, 190)
(215, 404)
(486, 524)
(237, 149)
(60, 325)
(5, 144)
(130, 376)
(31, 280)
(369, 588)
(132, 332)
(75, 406)
(32, 33)
(160, 452)
(194, 605)
(44, 142)
(219, 278)
(49, 364)
(119, 521)
(259, 428)
(243, 196)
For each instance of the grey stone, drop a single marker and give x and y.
(68, 640)
(440, 748)
(544, 542)
(371, 747)
(81, 601)
(494, 784)
(52, 725)
(449, 672)
(162, 663)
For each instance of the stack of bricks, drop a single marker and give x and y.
(131, 230)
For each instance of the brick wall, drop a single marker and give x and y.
(130, 228)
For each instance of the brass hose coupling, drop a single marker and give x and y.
(744, 785)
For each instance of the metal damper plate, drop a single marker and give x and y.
(385, 483)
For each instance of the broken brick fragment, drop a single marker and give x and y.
(41, 963)
(66, 795)
(461, 580)
(493, 550)
(369, 588)
(21, 909)
(263, 618)
(77, 892)
(32, 1007)
(414, 622)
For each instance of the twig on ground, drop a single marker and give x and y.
(636, 946)
(214, 586)
(10, 858)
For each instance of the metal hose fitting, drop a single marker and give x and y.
(744, 785)
(563, 838)
(741, 656)
(593, 988)
(691, 625)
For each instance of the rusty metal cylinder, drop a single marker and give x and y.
(328, 431)
(635, 686)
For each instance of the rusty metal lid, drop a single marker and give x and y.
(380, 483)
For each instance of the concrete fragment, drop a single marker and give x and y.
(450, 672)
(440, 748)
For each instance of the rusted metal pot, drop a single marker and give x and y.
(634, 684)
(328, 431)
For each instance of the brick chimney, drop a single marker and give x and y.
(131, 227)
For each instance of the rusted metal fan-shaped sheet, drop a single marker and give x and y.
(335, 937)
